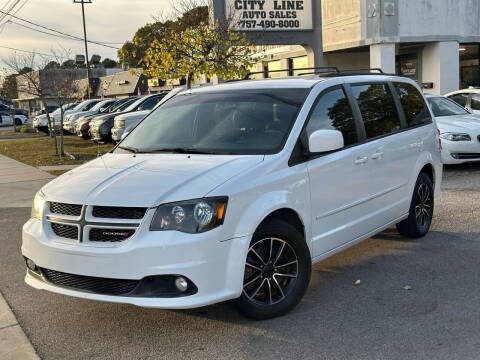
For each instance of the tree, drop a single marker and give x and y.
(9, 88)
(42, 82)
(200, 50)
(133, 52)
(52, 65)
(68, 64)
(109, 63)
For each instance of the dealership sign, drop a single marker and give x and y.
(270, 15)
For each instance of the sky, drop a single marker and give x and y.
(109, 21)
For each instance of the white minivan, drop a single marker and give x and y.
(233, 191)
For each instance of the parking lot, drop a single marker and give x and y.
(438, 318)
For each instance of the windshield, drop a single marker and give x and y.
(84, 106)
(237, 122)
(100, 105)
(124, 106)
(444, 107)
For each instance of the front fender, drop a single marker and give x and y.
(258, 210)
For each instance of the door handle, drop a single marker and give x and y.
(361, 160)
(377, 155)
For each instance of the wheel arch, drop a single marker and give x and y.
(288, 215)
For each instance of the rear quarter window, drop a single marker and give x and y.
(413, 104)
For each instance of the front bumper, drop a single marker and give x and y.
(117, 133)
(215, 266)
(459, 152)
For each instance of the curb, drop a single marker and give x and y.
(14, 344)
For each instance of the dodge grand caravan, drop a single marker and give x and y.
(233, 191)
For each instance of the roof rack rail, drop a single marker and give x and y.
(323, 69)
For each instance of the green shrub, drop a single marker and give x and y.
(25, 129)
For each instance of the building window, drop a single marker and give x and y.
(469, 65)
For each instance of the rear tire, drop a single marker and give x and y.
(277, 271)
(421, 209)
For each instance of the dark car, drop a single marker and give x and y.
(101, 126)
(83, 125)
(6, 110)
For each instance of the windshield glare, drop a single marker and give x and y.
(444, 107)
(135, 104)
(240, 122)
(124, 106)
(101, 104)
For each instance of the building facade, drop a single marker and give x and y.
(435, 42)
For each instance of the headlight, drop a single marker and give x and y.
(456, 137)
(38, 206)
(192, 216)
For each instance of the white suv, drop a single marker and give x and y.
(233, 191)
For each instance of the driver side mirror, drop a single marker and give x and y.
(325, 140)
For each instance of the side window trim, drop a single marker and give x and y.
(357, 114)
(398, 106)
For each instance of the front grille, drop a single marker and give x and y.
(65, 231)
(110, 235)
(113, 212)
(65, 209)
(104, 286)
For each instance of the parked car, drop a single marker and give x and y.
(6, 120)
(70, 123)
(468, 98)
(40, 122)
(100, 128)
(459, 130)
(50, 109)
(80, 107)
(233, 191)
(83, 123)
(127, 121)
(118, 124)
(6, 116)
(4, 109)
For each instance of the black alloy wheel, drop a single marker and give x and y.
(421, 209)
(271, 271)
(277, 271)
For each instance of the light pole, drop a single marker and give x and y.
(85, 39)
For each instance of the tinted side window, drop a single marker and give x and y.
(414, 107)
(333, 112)
(378, 109)
(459, 99)
(475, 102)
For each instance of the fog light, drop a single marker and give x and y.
(181, 284)
(31, 264)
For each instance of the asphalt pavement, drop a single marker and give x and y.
(416, 300)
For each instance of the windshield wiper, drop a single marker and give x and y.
(129, 148)
(180, 150)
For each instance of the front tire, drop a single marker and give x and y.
(277, 271)
(421, 209)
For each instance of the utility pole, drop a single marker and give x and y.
(85, 39)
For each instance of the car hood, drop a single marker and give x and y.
(146, 180)
(465, 123)
(133, 115)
